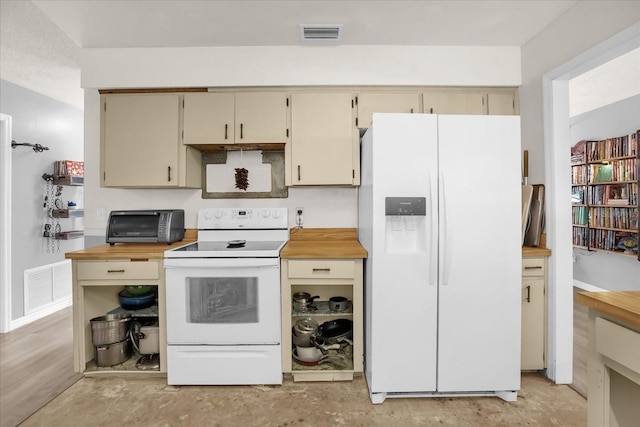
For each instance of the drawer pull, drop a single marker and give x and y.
(528, 293)
(535, 267)
(324, 270)
(115, 271)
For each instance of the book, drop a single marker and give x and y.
(601, 173)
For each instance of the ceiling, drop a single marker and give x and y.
(40, 40)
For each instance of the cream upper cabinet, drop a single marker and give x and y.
(380, 102)
(140, 144)
(501, 103)
(209, 118)
(235, 118)
(261, 117)
(471, 101)
(324, 140)
(453, 102)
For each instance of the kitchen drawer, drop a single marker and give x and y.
(322, 269)
(533, 266)
(618, 343)
(118, 270)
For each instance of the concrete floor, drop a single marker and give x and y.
(151, 402)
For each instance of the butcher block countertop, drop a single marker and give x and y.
(540, 250)
(535, 251)
(131, 250)
(307, 243)
(623, 305)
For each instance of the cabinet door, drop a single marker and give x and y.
(140, 140)
(501, 104)
(532, 356)
(369, 103)
(209, 118)
(261, 117)
(323, 135)
(450, 102)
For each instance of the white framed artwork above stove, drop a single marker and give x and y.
(223, 299)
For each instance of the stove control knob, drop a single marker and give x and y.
(218, 214)
(207, 215)
(266, 213)
(276, 214)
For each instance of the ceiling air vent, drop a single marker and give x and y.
(320, 32)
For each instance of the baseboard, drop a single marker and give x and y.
(44, 312)
(587, 287)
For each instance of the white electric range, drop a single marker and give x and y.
(223, 299)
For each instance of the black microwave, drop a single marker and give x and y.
(146, 226)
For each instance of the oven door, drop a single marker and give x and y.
(223, 301)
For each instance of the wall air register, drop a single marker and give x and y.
(320, 32)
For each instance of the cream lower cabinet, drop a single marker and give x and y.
(140, 144)
(324, 278)
(534, 280)
(96, 285)
(613, 371)
(324, 148)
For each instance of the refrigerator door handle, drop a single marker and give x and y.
(446, 256)
(434, 232)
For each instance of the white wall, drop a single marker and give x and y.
(271, 66)
(300, 65)
(37, 119)
(581, 28)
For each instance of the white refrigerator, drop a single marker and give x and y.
(439, 213)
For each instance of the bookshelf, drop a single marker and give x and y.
(604, 194)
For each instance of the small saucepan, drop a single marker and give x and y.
(338, 303)
(303, 301)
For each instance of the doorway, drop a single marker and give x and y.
(5, 222)
(557, 139)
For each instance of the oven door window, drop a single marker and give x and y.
(222, 300)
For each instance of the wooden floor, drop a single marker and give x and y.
(36, 365)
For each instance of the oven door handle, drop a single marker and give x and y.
(220, 262)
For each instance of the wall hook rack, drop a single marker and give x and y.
(36, 147)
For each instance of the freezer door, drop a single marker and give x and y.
(401, 285)
(480, 253)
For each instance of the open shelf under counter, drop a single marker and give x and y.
(323, 310)
(143, 312)
(128, 367)
(323, 263)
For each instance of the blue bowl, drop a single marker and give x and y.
(136, 302)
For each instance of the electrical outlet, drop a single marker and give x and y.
(299, 216)
(101, 214)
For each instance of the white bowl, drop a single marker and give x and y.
(308, 354)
